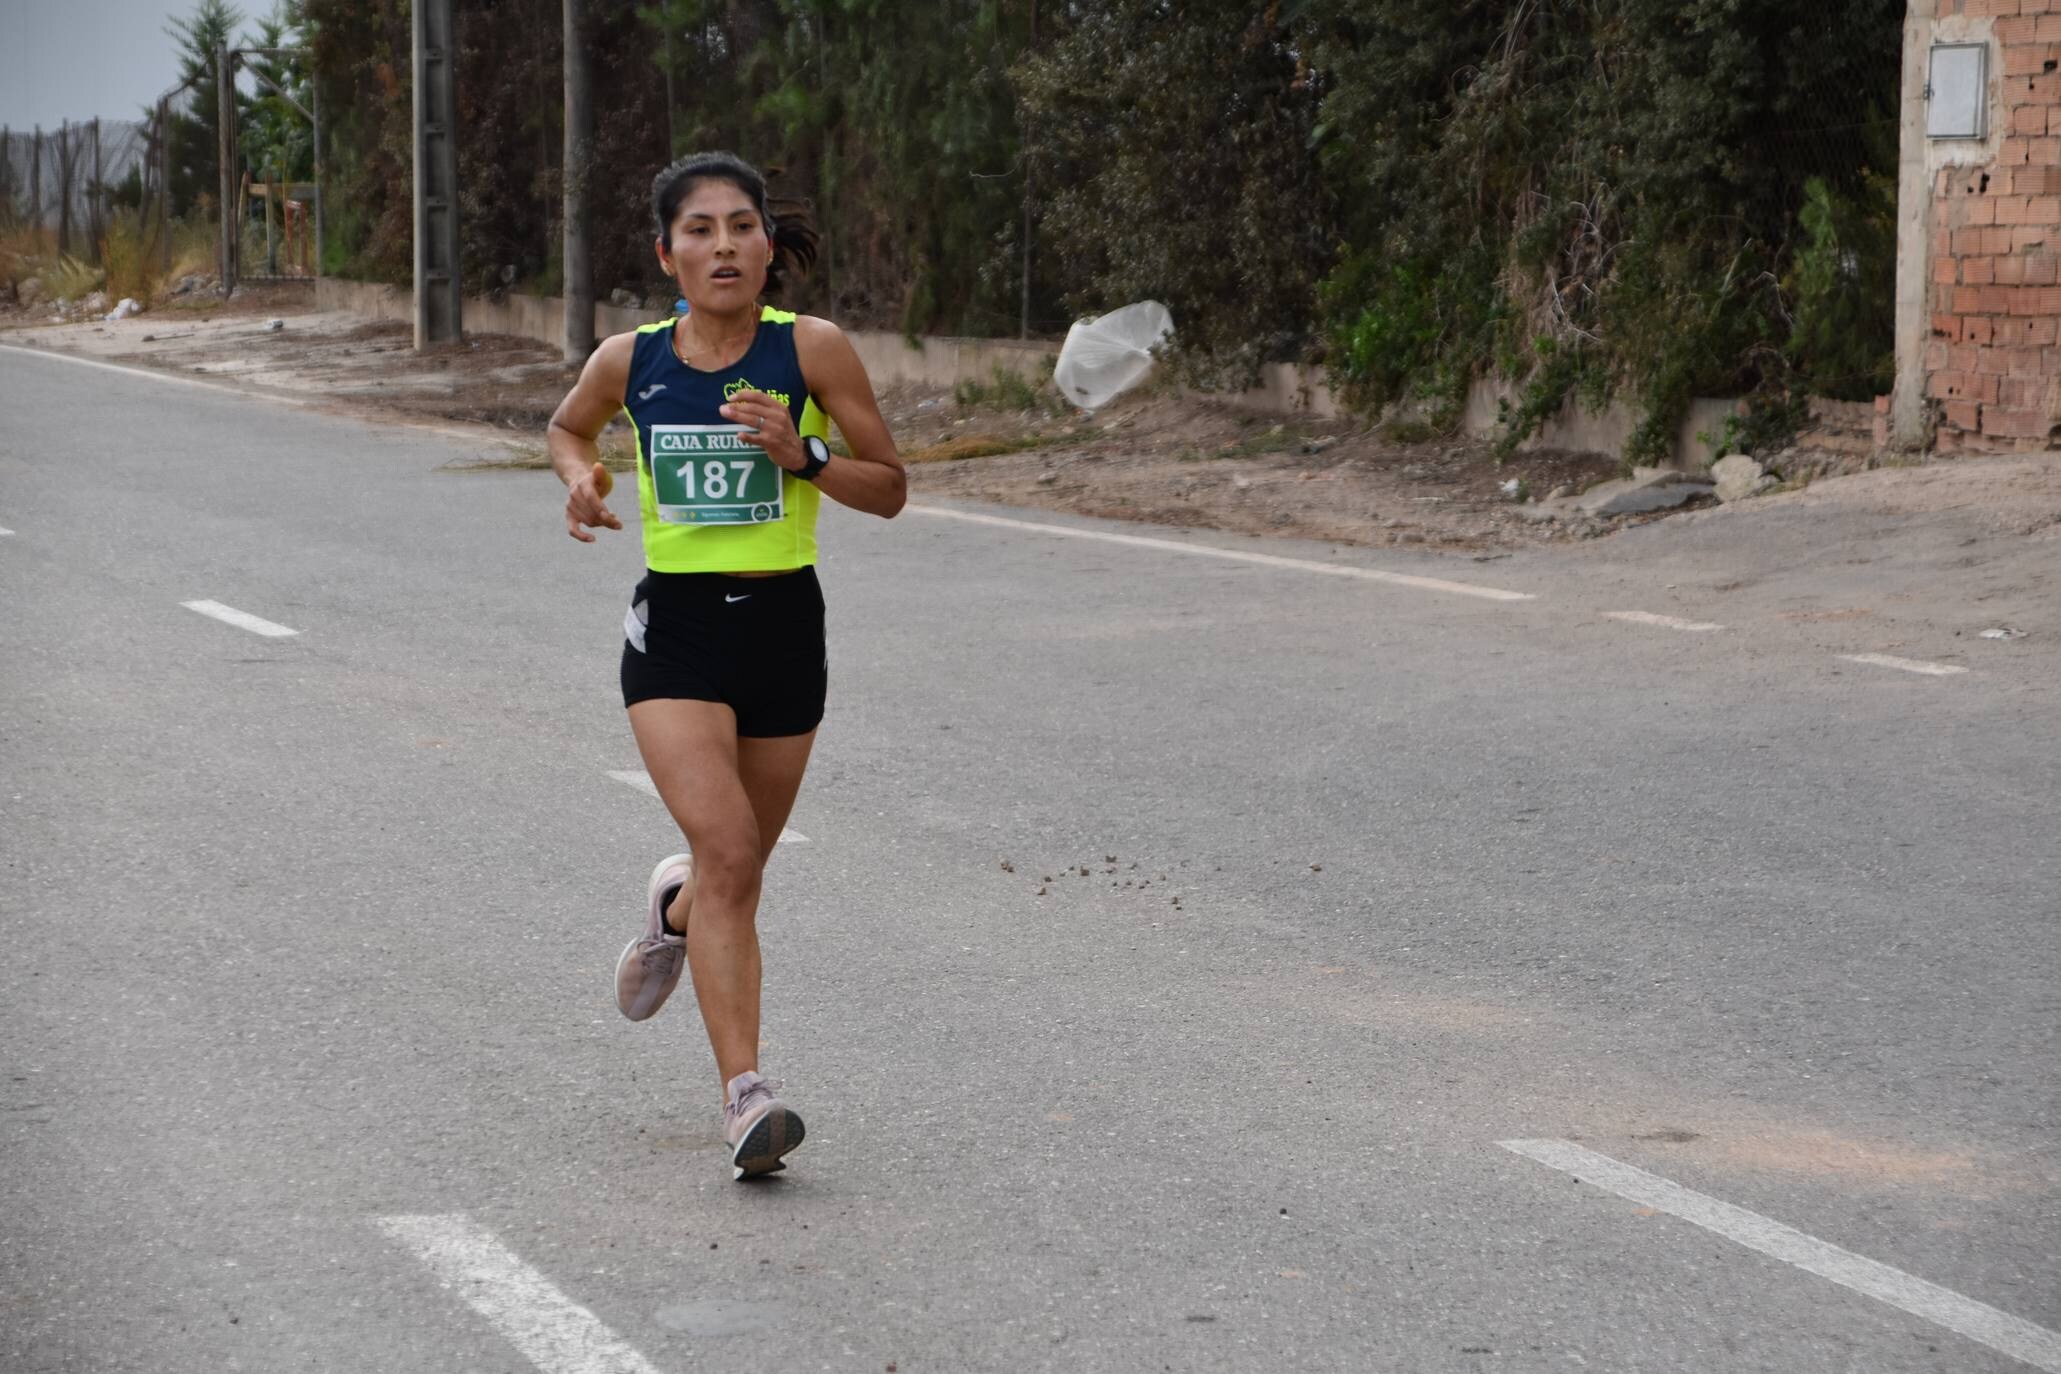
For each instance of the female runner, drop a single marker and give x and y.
(724, 670)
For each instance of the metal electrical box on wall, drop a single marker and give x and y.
(1957, 91)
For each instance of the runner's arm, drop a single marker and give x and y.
(578, 422)
(872, 479)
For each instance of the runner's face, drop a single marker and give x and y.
(720, 250)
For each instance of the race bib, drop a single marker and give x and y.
(707, 475)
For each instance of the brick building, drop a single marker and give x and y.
(1979, 330)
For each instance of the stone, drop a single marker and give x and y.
(1739, 477)
(30, 292)
(1647, 489)
(622, 300)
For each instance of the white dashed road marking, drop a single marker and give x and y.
(553, 1332)
(1907, 665)
(242, 620)
(1978, 1321)
(641, 780)
(1139, 541)
(5, 531)
(1665, 622)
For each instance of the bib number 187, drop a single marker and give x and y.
(708, 475)
(719, 480)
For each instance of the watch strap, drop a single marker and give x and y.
(818, 458)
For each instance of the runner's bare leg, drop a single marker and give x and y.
(731, 798)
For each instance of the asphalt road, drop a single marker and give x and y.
(311, 1059)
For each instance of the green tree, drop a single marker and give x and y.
(1587, 195)
(196, 122)
(1177, 143)
(277, 140)
(359, 52)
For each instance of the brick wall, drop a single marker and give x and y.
(1993, 364)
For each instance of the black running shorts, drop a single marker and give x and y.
(753, 643)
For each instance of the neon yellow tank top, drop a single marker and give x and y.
(715, 504)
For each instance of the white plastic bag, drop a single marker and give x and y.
(1106, 356)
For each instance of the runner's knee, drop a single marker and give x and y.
(726, 871)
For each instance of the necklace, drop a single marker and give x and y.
(718, 346)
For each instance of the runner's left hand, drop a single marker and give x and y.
(773, 425)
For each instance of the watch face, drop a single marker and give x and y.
(818, 451)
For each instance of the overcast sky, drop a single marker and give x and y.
(75, 59)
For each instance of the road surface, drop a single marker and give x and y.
(1191, 954)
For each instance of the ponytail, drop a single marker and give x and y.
(795, 242)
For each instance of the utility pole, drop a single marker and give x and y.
(225, 148)
(1023, 318)
(67, 168)
(94, 192)
(579, 152)
(439, 301)
(36, 183)
(164, 180)
(315, 103)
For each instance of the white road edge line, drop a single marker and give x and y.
(1429, 584)
(244, 393)
(242, 620)
(1665, 622)
(1978, 1321)
(553, 1332)
(6, 532)
(641, 780)
(153, 374)
(1907, 665)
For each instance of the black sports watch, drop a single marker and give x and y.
(819, 457)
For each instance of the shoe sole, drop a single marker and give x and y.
(651, 889)
(775, 1134)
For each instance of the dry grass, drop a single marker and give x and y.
(963, 446)
(132, 259)
(125, 253)
(618, 454)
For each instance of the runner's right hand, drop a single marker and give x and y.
(584, 507)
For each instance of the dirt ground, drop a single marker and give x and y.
(1152, 456)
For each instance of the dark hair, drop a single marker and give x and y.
(794, 238)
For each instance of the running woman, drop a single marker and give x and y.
(724, 669)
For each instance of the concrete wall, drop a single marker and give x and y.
(888, 357)
(1979, 279)
(1284, 388)
(1580, 430)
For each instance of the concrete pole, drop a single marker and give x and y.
(315, 105)
(36, 182)
(579, 153)
(225, 90)
(439, 306)
(1023, 318)
(1908, 410)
